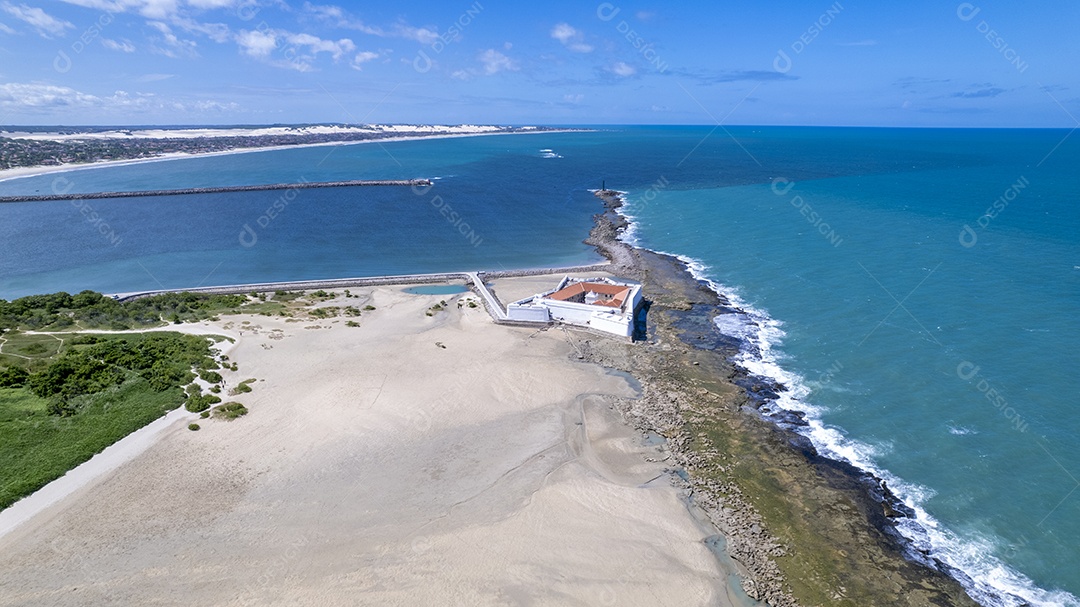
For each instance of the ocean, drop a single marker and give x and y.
(915, 290)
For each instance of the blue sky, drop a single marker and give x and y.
(918, 63)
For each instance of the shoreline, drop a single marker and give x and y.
(682, 312)
(24, 172)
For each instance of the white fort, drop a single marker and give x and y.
(604, 304)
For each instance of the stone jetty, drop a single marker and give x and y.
(301, 185)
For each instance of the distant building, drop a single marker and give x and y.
(604, 304)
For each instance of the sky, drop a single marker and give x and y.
(812, 62)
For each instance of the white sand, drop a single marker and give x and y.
(376, 468)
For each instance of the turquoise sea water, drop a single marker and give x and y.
(943, 357)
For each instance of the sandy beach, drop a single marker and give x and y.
(411, 460)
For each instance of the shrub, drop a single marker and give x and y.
(193, 427)
(198, 404)
(230, 410)
(204, 414)
(369, 307)
(242, 387)
(13, 377)
(212, 377)
(216, 389)
(352, 323)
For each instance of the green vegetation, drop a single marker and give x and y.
(327, 312)
(369, 307)
(242, 387)
(201, 402)
(59, 408)
(89, 309)
(230, 411)
(37, 447)
(352, 311)
(13, 377)
(352, 323)
(193, 427)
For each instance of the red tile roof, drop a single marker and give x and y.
(618, 293)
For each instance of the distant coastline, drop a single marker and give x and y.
(32, 171)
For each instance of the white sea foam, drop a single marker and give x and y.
(987, 579)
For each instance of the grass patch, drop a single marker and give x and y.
(327, 312)
(57, 411)
(287, 296)
(229, 411)
(36, 447)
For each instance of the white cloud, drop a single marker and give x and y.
(124, 46)
(218, 32)
(495, 62)
(6, 29)
(336, 16)
(362, 58)
(573, 98)
(422, 35)
(164, 10)
(570, 38)
(460, 75)
(154, 77)
(623, 69)
(256, 44)
(212, 4)
(174, 46)
(173, 12)
(45, 24)
(21, 96)
(293, 51)
(563, 32)
(316, 45)
(39, 98)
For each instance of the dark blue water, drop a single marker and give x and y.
(941, 356)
